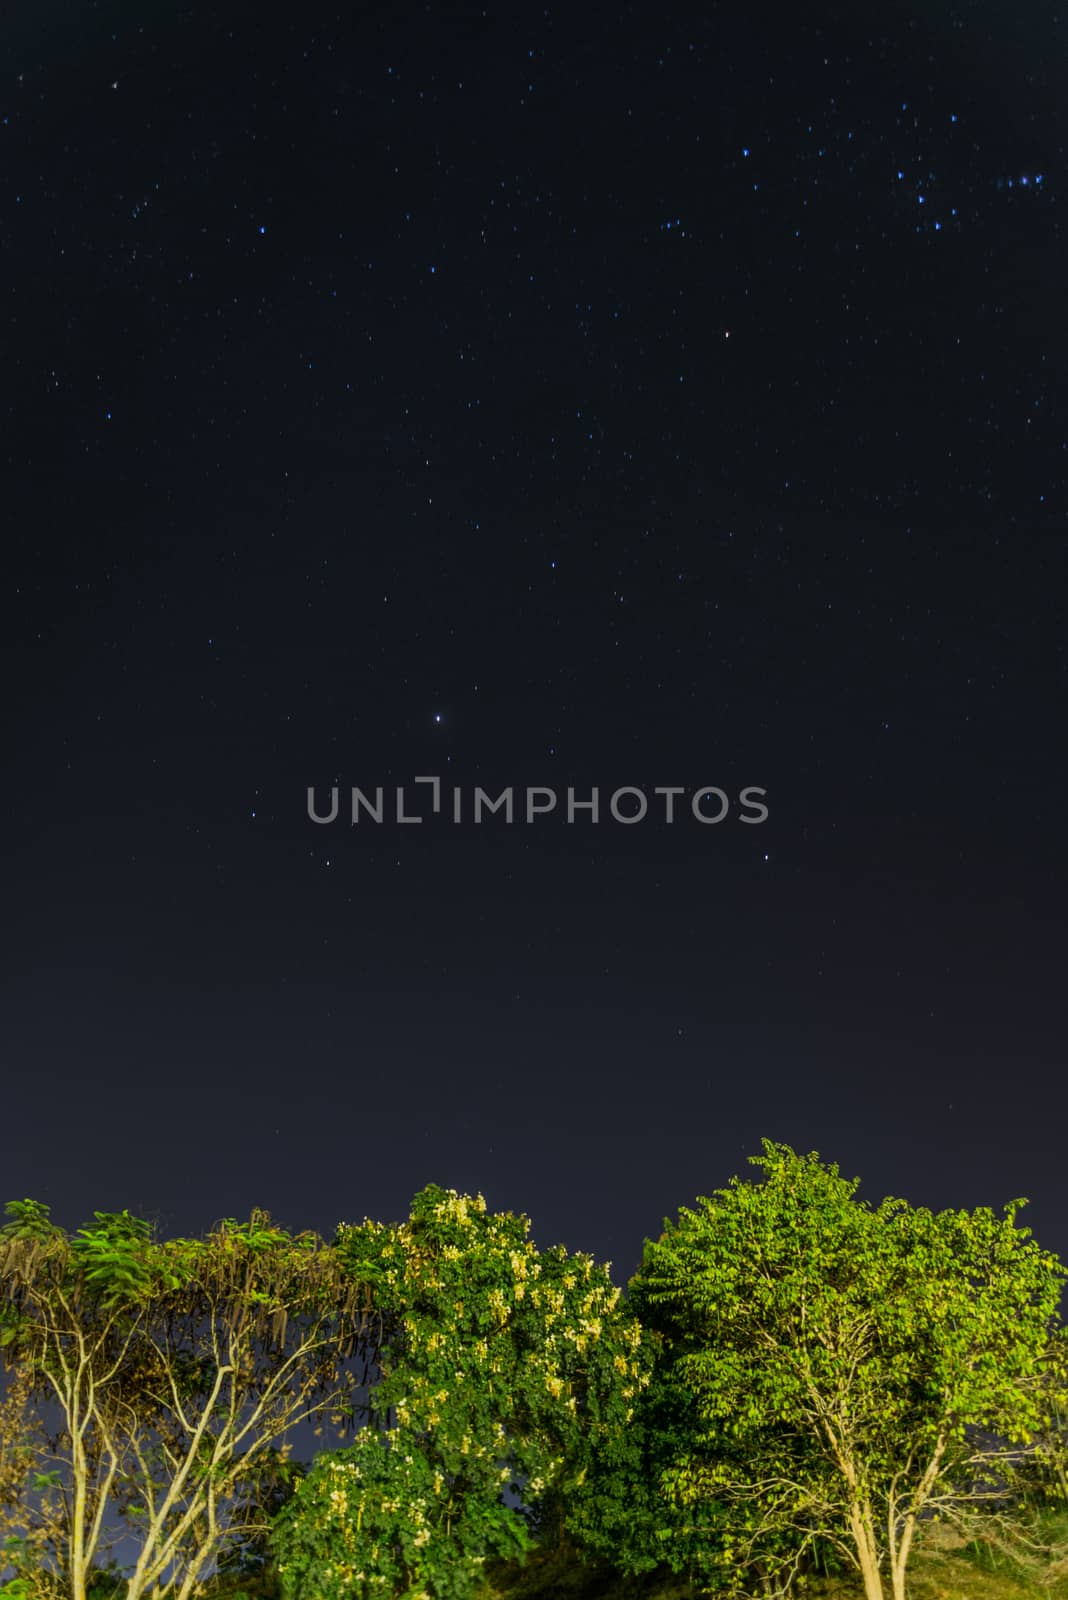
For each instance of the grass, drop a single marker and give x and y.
(972, 1572)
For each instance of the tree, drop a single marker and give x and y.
(856, 1369)
(503, 1366)
(621, 1513)
(175, 1366)
(63, 1530)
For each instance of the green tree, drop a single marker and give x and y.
(55, 1519)
(855, 1369)
(502, 1367)
(623, 1513)
(176, 1367)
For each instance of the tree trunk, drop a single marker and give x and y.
(899, 1558)
(860, 1522)
(77, 1552)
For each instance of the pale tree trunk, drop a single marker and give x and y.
(863, 1531)
(80, 1547)
(77, 1546)
(899, 1557)
(900, 1547)
(861, 1521)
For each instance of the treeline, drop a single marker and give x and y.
(796, 1381)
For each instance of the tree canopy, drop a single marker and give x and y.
(505, 1366)
(855, 1368)
(794, 1371)
(175, 1367)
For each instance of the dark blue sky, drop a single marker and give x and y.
(586, 397)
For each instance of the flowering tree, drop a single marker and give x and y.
(502, 1367)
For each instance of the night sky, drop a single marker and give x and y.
(589, 396)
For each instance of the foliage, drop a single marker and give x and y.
(1042, 1481)
(25, 1530)
(29, 1219)
(112, 1260)
(377, 1519)
(853, 1367)
(175, 1366)
(622, 1513)
(501, 1368)
(796, 1378)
